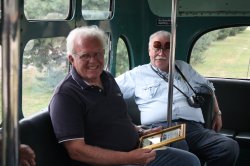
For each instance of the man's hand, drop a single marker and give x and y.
(27, 156)
(217, 122)
(141, 156)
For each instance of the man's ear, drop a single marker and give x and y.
(71, 59)
(148, 51)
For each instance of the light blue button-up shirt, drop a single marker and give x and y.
(150, 92)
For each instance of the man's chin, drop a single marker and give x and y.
(161, 62)
(94, 73)
(163, 65)
(161, 59)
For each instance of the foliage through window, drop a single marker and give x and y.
(107, 53)
(122, 61)
(44, 66)
(223, 53)
(96, 9)
(45, 10)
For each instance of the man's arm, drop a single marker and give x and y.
(217, 121)
(93, 155)
(126, 84)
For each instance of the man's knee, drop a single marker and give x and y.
(232, 148)
(228, 154)
(191, 159)
(229, 151)
(175, 156)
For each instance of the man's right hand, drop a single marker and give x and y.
(27, 156)
(141, 156)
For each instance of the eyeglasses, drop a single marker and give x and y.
(158, 47)
(87, 56)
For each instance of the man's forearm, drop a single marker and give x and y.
(96, 155)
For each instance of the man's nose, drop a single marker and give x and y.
(92, 57)
(160, 51)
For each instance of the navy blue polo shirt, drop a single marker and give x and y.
(98, 115)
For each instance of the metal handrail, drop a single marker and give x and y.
(10, 81)
(171, 62)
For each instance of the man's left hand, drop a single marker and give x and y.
(217, 123)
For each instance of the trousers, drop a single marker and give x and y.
(210, 147)
(176, 157)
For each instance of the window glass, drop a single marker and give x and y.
(96, 9)
(122, 60)
(160, 8)
(44, 65)
(46, 10)
(223, 53)
(107, 53)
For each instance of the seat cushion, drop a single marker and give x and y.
(37, 132)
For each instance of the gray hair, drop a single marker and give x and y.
(85, 31)
(159, 33)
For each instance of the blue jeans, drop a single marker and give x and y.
(176, 157)
(211, 147)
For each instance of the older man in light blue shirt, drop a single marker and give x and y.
(148, 85)
(150, 92)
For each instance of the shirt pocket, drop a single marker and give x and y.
(147, 91)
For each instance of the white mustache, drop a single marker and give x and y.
(160, 58)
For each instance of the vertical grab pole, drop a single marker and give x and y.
(10, 81)
(171, 62)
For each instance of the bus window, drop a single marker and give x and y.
(96, 10)
(223, 53)
(122, 60)
(107, 53)
(160, 8)
(44, 66)
(46, 10)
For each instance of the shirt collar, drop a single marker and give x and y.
(159, 70)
